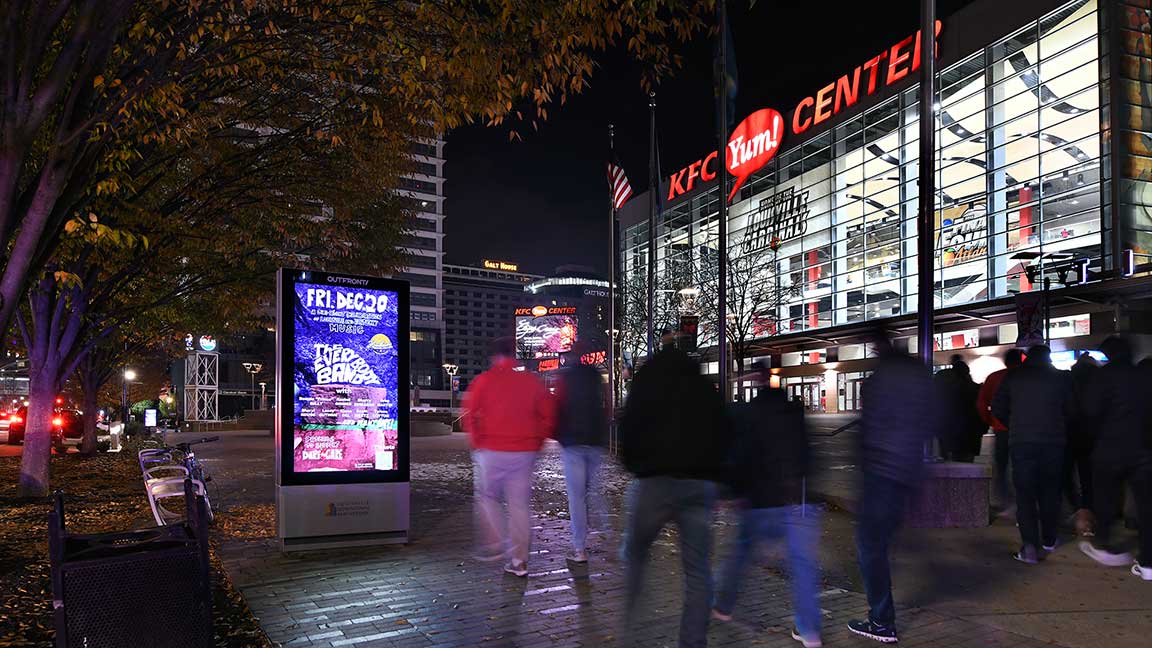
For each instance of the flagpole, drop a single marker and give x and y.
(722, 195)
(926, 224)
(653, 198)
(611, 286)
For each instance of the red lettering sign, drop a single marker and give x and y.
(902, 59)
(541, 311)
(594, 358)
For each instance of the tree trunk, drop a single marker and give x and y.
(34, 465)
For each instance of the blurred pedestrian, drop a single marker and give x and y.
(674, 440)
(961, 427)
(1036, 401)
(771, 461)
(508, 415)
(1012, 359)
(897, 420)
(1118, 401)
(1077, 486)
(582, 431)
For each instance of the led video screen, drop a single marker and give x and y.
(545, 335)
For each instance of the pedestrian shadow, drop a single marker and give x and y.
(942, 566)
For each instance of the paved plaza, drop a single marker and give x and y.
(431, 593)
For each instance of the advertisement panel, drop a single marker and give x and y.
(347, 388)
(342, 435)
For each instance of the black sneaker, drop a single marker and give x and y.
(874, 631)
(1027, 555)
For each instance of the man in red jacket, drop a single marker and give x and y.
(1012, 359)
(508, 415)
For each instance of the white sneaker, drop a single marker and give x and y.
(516, 568)
(807, 642)
(1144, 573)
(1106, 558)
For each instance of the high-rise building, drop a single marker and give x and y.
(425, 247)
(479, 306)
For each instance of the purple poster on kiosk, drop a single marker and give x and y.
(345, 379)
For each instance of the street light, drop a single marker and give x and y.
(129, 376)
(253, 368)
(263, 396)
(451, 370)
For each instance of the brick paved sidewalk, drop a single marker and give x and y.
(430, 593)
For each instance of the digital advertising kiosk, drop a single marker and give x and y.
(342, 410)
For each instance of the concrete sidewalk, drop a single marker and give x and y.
(957, 587)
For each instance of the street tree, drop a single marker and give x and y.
(281, 196)
(634, 313)
(87, 88)
(757, 292)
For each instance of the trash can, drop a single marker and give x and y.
(149, 587)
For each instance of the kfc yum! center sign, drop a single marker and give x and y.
(756, 140)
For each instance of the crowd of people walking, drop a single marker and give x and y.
(1083, 435)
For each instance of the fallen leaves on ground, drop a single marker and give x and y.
(102, 493)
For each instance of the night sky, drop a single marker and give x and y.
(542, 201)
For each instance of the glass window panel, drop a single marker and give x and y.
(1070, 24)
(1070, 127)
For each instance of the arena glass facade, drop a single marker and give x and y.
(1023, 188)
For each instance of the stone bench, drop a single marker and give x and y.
(952, 495)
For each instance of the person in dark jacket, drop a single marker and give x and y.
(897, 420)
(1036, 401)
(1012, 359)
(1077, 486)
(961, 427)
(771, 461)
(674, 440)
(581, 428)
(1118, 402)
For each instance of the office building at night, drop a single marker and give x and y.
(479, 305)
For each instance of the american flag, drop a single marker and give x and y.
(618, 182)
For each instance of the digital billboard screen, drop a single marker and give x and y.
(545, 335)
(349, 367)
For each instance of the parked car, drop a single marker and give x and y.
(67, 427)
(16, 426)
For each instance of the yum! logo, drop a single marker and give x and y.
(753, 143)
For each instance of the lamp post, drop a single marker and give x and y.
(129, 376)
(451, 370)
(253, 368)
(263, 396)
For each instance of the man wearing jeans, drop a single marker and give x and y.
(1035, 400)
(771, 462)
(582, 431)
(898, 418)
(673, 439)
(508, 415)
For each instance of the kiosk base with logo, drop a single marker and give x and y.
(342, 470)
